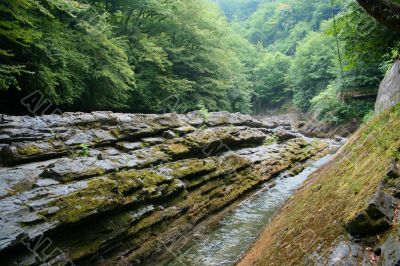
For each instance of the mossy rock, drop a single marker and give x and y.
(99, 196)
(176, 149)
(29, 150)
(189, 168)
(363, 225)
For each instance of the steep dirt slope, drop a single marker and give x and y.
(347, 213)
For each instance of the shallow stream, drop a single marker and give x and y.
(223, 240)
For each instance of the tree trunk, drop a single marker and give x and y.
(385, 11)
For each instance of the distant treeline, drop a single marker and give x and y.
(180, 55)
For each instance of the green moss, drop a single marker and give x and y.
(21, 187)
(190, 168)
(184, 130)
(317, 143)
(229, 180)
(316, 187)
(82, 242)
(356, 187)
(29, 150)
(395, 153)
(271, 139)
(97, 141)
(98, 195)
(144, 145)
(151, 178)
(84, 150)
(135, 179)
(116, 133)
(177, 149)
(154, 219)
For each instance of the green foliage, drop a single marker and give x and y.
(321, 75)
(300, 60)
(85, 150)
(311, 68)
(238, 9)
(281, 24)
(145, 55)
(270, 85)
(328, 107)
(8, 76)
(203, 111)
(82, 150)
(169, 56)
(271, 139)
(367, 47)
(368, 116)
(364, 39)
(65, 57)
(184, 53)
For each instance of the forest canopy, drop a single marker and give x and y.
(124, 55)
(156, 56)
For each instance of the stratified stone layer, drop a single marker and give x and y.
(118, 188)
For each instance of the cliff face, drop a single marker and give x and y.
(118, 188)
(389, 89)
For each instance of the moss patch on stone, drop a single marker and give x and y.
(189, 168)
(29, 150)
(98, 197)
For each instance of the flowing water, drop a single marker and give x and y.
(225, 240)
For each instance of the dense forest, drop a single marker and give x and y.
(155, 56)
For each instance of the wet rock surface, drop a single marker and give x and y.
(115, 189)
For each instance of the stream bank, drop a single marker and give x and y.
(115, 189)
(222, 240)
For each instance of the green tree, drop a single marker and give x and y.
(185, 51)
(51, 47)
(311, 68)
(270, 85)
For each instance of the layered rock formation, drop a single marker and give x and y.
(117, 188)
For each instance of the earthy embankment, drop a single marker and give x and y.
(348, 212)
(114, 189)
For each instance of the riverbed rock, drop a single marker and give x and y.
(118, 188)
(346, 253)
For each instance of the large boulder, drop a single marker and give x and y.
(389, 89)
